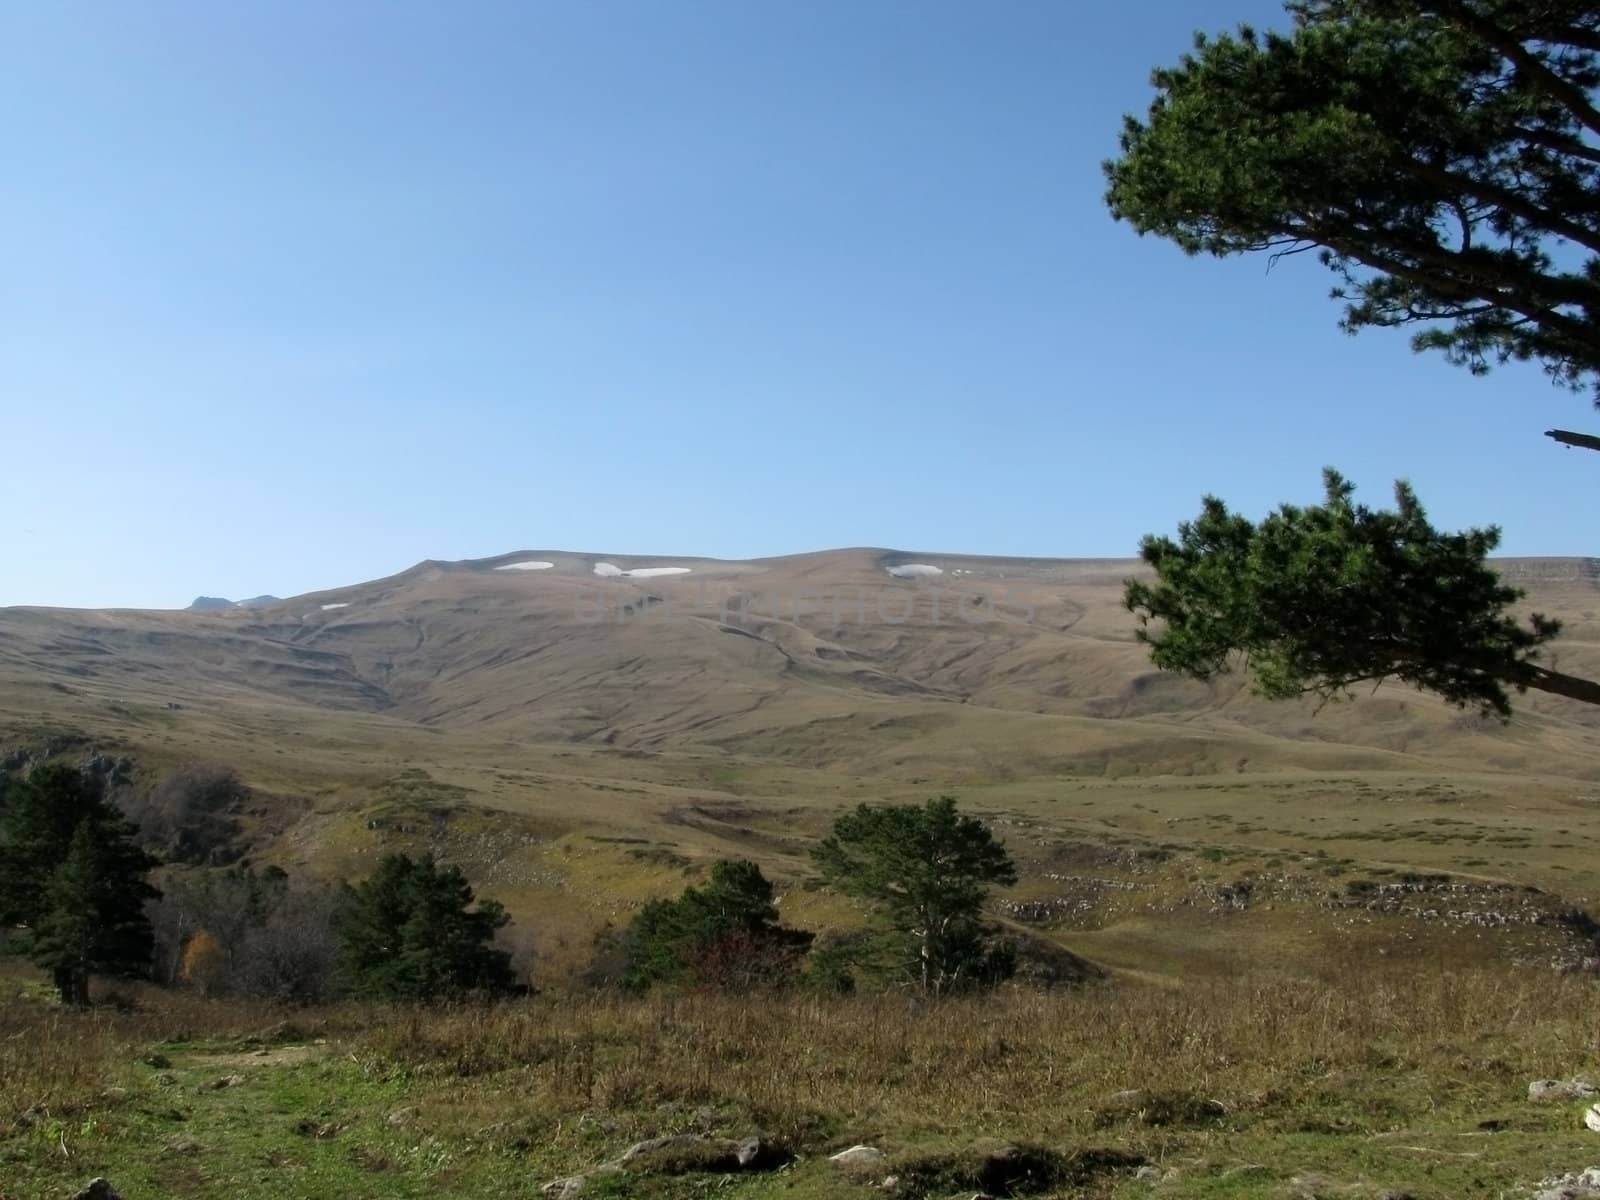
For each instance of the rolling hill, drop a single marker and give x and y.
(579, 728)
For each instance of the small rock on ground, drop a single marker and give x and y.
(98, 1189)
(858, 1157)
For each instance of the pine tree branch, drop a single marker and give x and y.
(1508, 201)
(1559, 143)
(1526, 61)
(1586, 441)
(1557, 683)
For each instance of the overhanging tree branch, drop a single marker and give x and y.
(1586, 441)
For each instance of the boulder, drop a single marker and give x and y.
(1591, 1118)
(98, 1189)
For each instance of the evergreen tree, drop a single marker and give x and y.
(73, 876)
(43, 811)
(1440, 155)
(411, 932)
(1322, 598)
(928, 869)
(94, 921)
(724, 933)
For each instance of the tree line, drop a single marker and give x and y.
(76, 898)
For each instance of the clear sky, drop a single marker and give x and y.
(296, 294)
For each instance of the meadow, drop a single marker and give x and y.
(1361, 1081)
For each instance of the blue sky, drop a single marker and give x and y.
(296, 294)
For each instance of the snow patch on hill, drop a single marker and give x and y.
(914, 570)
(538, 565)
(611, 571)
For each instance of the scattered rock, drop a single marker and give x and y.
(1591, 1118)
(1546, 1091)
(227, 1081)
(565, 1189)
(159, 1061)
(1311, 1186)
(402, 1116)
(313, 1129)
(1585, 1185)
(182, 1145)
(574, 1185)
(858, 1158)
(98, 1189)
(1154, 1175)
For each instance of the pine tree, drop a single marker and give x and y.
(43, 811)
(73, 877)
(93, 920)
(411, 932)
(928, 869)
(724, 933)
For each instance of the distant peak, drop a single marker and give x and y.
(213, 603)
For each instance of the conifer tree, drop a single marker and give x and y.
(93, 920)
(724, 933)
(928, 868)
(414, 931)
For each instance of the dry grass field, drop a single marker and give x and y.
(1364, 1081)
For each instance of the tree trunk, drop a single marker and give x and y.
(72, 984)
